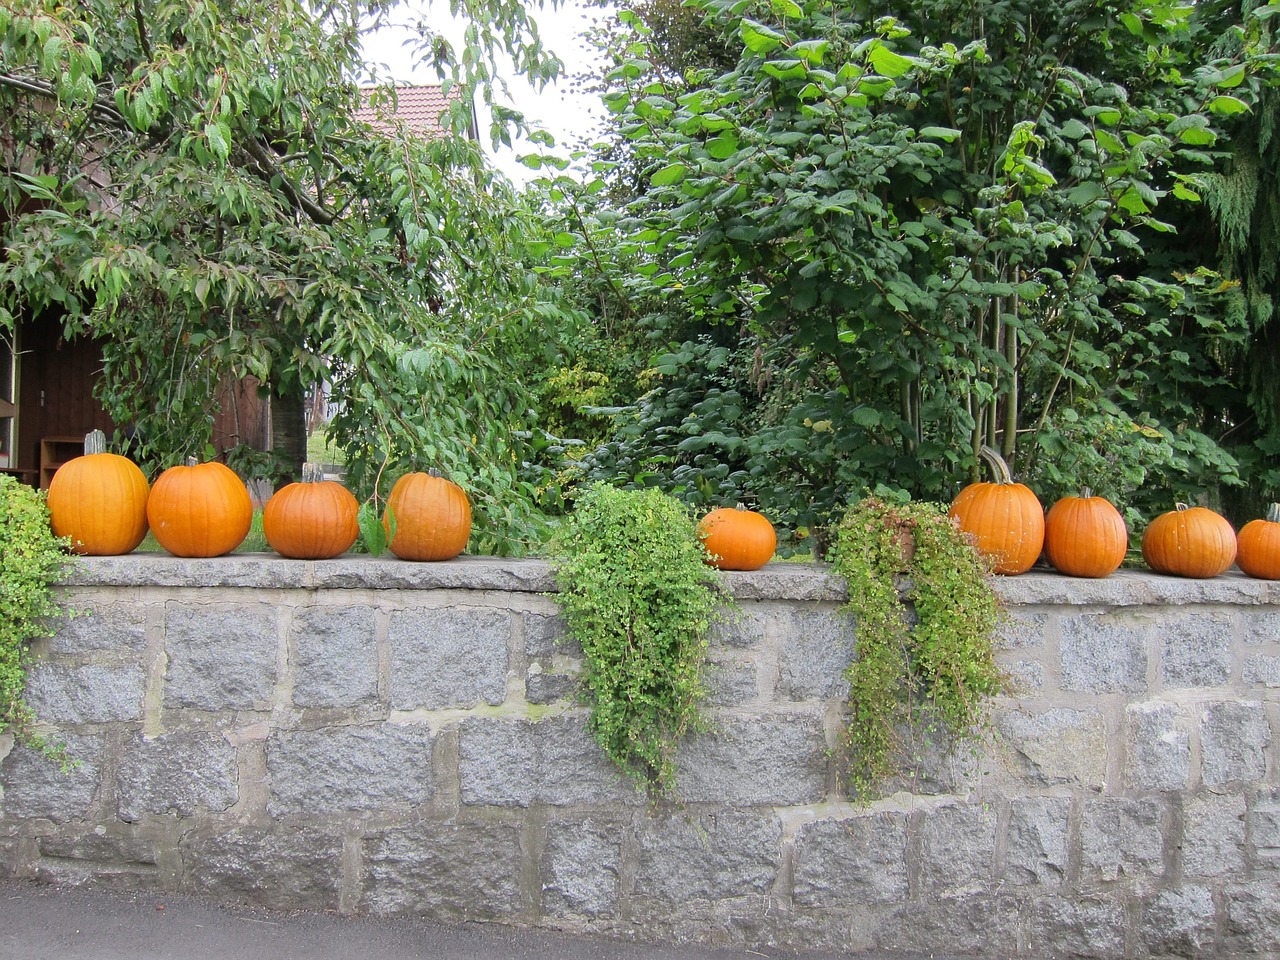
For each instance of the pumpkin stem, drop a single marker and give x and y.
(1273, 512)
(312, 473)
(95, 441)
(1181, 506)
(192, 462)
(996, 462)
(1086, 493)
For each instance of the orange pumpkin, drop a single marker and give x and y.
(1189, 542)
(311, 520)
(737, 539)
(199, 510)
(1005, 518)
(432, 518)
(1258, 552)
(1085, 536)
(99, 501)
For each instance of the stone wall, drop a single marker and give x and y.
(380, 737)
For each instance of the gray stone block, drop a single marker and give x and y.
(334, 656)
(1088, 927)
(957, 849)
(1058, 746)
(1262, 671)
(976, 925)
(731, 683)
(1121, 838)
(1252, 919)
(220, 657)
(1234, 737)
(1196, 650)
(1025, 675)
(582, 866)
(452, 657)
(89, 693)
(37, 787)
(713, 857)
(1213, 835)
(444, 871)
(546, 635)
(745, 626)
(1262, 627)
(1158, 754)
(514, 763)
(293, 868)
(1020, 629)
(776, 759)
(1036, 847)
(1102, 653)
(102, 626)
(817, 648)
(344, 769)
(1264, 827)
(545, 688)
(97, 851)
(176, 774)
(867, 853)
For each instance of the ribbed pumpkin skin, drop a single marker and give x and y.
(100, 502)
(199, 511)
(1189, 542)
(737, 539)
(1085, 537)
(1258, 551)
(1006, 521)
(433, 518)
(311, 521)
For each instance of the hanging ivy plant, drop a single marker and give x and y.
(926, 616)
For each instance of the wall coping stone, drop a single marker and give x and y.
(776, 581)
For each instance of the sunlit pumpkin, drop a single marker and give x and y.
(1189, 542)
(428, 518)
(1258, 552)
(99, 501)
(199, 510)
(1085, 536)
(311, 520)
(1005, 518)
(737, 539)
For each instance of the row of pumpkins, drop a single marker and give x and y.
(101, 501)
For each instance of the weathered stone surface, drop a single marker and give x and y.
(868, 853)
(731, 682)
(545, 688)
(1158, 754)
(513, 763)
(35, 786)
(106, 849)
(1213, 834)
(1036, 848)
(177, 774)
(288, 868)
(1088, 927)
(817, 647)
(449, 657)
(957, 849)
(262, 571)
(1058, 746)
(1252, 919)
(1120, 837)
(220, 657)
(582, 866)
(712, 857)
(545, 635)
(344, 769)
(1020, 629)
(1264, 827)
(1234, 737)
(444, 870)
(1102, 653)
(776, 759)
(1025, 676)
(981, 925)
(1262, 671)
(744, 625)
(1262, 627)
(1179, 923)
(102, 626)
(89, 693)
(1196, 650)
(334, 655)
(786, 581)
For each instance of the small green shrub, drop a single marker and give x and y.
(637, 594)
(926, 617)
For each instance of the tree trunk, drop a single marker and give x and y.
(289, 430)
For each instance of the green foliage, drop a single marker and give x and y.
(637, 594)
(926, 614)
(31, 559)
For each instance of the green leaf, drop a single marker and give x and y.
(219, 138)
(759, 39)
(1227, 106)
(887, 63)
(786, 8)
(372, 533)
(940, 133)
(671, 174)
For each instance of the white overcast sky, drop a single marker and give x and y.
(569, 116)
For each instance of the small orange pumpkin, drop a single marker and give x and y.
(99, 501)
(199, 510)
(1189, 542)
(737, 539)
(311, 520)
(432, 518)
(1258, 552)
(1005, 518)
(1085, 536)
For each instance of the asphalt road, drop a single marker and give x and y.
(41, 922)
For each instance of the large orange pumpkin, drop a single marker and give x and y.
(199, 510)
(432, 518)
(1085, 536)
(1258, 552)
(99, 501)
(1005, 518)
(311, 520)
(1189, 542)
(737, 539)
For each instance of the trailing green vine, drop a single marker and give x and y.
(637, 594)
(31, 559)
(926, 616)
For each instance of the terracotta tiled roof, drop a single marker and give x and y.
(422, 108)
